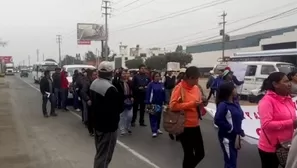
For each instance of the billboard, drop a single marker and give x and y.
(88, 32)
(6, 59)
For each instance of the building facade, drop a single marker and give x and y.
(206, 55)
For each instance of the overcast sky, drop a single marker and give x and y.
(29, 25)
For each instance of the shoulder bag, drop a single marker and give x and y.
(173, 122)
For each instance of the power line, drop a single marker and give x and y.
(274, 17)
(232, 22)
(131, 3)
(174, 14)
(141, 5)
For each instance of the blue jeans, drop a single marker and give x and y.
(125, 120)
(58, 97)
(64, 97)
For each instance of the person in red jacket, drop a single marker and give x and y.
(64, 89)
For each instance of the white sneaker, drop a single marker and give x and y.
(155, 135)
(160, 132)
(78, 110)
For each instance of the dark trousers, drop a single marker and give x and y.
(138, 101)
(105, 144)
(192, 143)
(229, 151)
(52, 100)
(75, 100)
(64, 97)
(211, 93)
(58, 97)
(155, 120)
(268, 160)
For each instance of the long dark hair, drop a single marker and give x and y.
(224, 92)
(268, 82)
(291, 75)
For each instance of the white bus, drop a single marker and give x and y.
(40, 67)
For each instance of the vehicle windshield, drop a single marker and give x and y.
(49, 67)
(286, 68)
(72, 69)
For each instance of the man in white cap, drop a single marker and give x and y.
(105, 110)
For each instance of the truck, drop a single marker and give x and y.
(9, 68)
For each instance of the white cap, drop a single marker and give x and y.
(106, 66)
(183, 70)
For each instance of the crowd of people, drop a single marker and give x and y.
(111, 101)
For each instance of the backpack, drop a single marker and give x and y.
(173, 122)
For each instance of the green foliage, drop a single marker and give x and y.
(134, 63)
(182, 58)
(156, 62)
(49, 59)
(69, 60)
(179, 49)
(90, 56)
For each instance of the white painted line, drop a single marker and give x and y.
(123, 145)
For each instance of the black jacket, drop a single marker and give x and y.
(85, 90)
(119, 84)
(106, 105)
(44, 85)
(169, 82)
(56, 80)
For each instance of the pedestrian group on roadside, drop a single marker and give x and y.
(111, 101)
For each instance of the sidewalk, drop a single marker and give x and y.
(12, 153)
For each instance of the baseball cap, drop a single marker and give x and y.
(105, 66)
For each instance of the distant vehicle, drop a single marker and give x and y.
(257, 71)
(24, 73)
(40, 67)
(9, 69)
(70, 69)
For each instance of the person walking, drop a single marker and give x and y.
(105, 108)
(139, 83)
(228, 118)
(57, 86)
(277, 113)
(74, 91)
(210, 80)
(186, 97)
(169, 83)
(64, 90)
(155, 99)
(86, 100)
(47, 91)
(124, 87)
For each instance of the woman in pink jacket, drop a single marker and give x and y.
(277, 116)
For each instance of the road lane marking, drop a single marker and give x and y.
(123, 145)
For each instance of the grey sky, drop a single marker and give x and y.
(31, 24)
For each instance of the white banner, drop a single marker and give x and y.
(251, 123)
(173, 66)
(239, 71)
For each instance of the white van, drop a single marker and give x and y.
(256, 72)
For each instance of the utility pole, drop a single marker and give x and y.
(29, 60)
(59, 41)
(223, 34)
(106, 13)
(37, 55)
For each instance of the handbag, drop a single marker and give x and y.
(173, 122)
(282, 150)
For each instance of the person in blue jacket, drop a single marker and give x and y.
(217, 82)
(228, 118)
(155, 99)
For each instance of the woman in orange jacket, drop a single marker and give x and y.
(186, 96)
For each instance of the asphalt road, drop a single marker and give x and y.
(64, 142)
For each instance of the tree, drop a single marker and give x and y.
(156, 62)
(179, 49)
(90, 56)
(70, 60)
(49, 59)
(182, 58)
(134, 63)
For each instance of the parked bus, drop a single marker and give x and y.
(40, 67)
